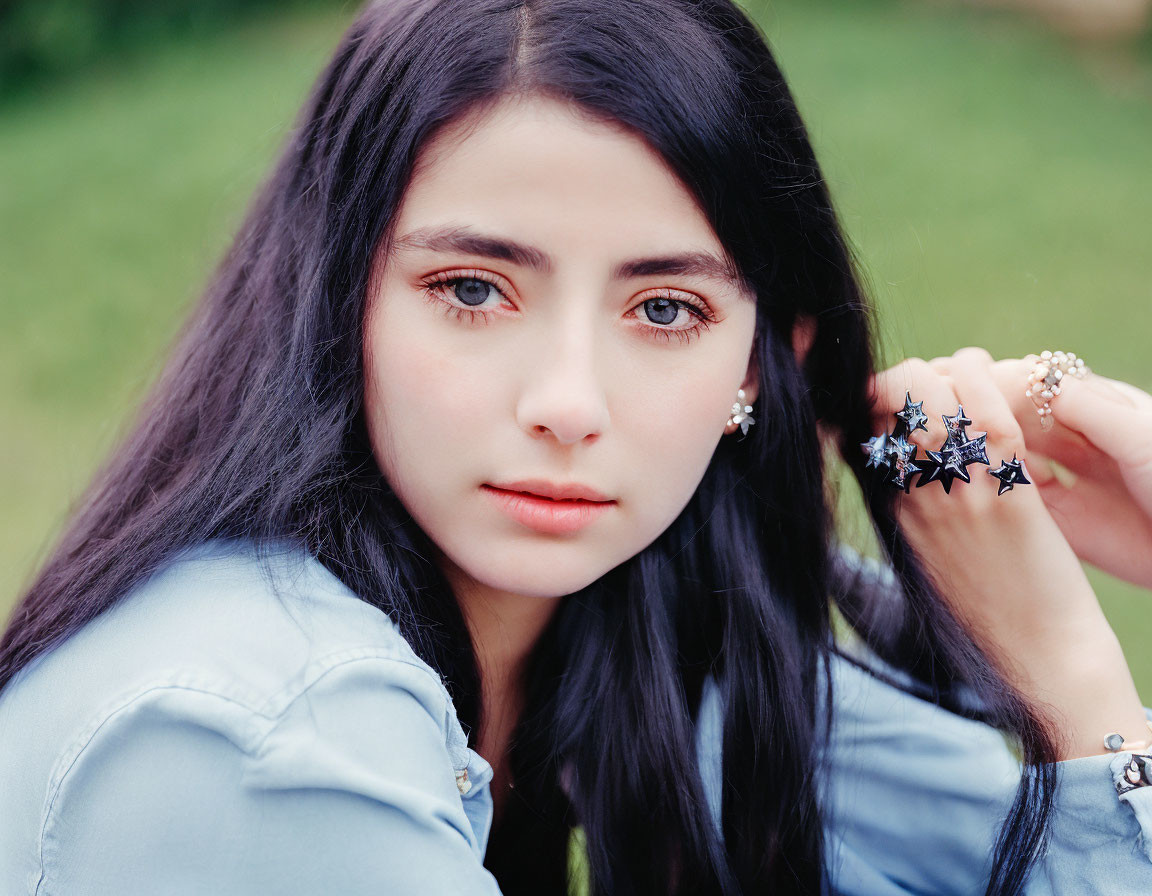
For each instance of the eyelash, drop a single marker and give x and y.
(434, 288)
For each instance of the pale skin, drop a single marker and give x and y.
(485, 365)
(565, 376)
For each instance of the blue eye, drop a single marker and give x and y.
(462, 294)
(471, 290)
(661, 310)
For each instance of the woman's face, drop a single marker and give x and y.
(554, 307)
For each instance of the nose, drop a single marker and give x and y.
(563, 392)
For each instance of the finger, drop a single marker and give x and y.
(988, 409)
(1116, 421)
(1067, 445)
(1118, 391)
(916, 379)
(1138, 397)
(1041, 470)
(1071, 448)
(977, 388)
(1106, 532)
(888, 388)
(919, 380)
(942, 365)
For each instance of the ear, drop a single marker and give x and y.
(751, 384)
(803, 333)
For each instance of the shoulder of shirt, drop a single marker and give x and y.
(255, 658)
(253, 626)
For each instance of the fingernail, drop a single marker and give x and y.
(1044, 471)
(1040, 469)
(1062, 474)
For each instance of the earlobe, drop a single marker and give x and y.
(741, 415)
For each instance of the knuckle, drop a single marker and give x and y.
(918, 375)
(974, 353)
(901, 377)
(1005, 433)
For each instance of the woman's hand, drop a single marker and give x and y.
(1011, 572)
(1002, 562)
(1102, 437)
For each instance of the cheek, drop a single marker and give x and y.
(685, 404)
(674, 429)
(419, 396)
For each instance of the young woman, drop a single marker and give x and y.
(481, 512)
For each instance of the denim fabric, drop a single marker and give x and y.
(243, 724)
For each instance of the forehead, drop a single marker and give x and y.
(540, 168)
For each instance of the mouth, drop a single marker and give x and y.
(541, 488)
(547, 514)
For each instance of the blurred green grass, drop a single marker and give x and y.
(994, 177)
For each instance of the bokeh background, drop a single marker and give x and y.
(992, 161)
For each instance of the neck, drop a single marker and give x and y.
(504, 627)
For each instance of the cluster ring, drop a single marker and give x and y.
(1044, 381)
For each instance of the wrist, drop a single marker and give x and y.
(1059, 647)
(1090, 693)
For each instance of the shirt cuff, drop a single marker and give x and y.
(1092, 816)
(1138, 798)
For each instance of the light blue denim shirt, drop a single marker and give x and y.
(236, 726)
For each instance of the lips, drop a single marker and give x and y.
(541, 488)
(547, 514)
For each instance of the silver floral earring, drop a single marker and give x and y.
(741, 413)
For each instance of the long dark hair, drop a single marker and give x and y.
(256, 430)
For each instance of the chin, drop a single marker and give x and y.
(544, 584)
(542, 574)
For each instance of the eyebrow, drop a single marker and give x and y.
(468, 241)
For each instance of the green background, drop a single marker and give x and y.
(994, 176)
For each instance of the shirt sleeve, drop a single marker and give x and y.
(915, 796)
(347, 788)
